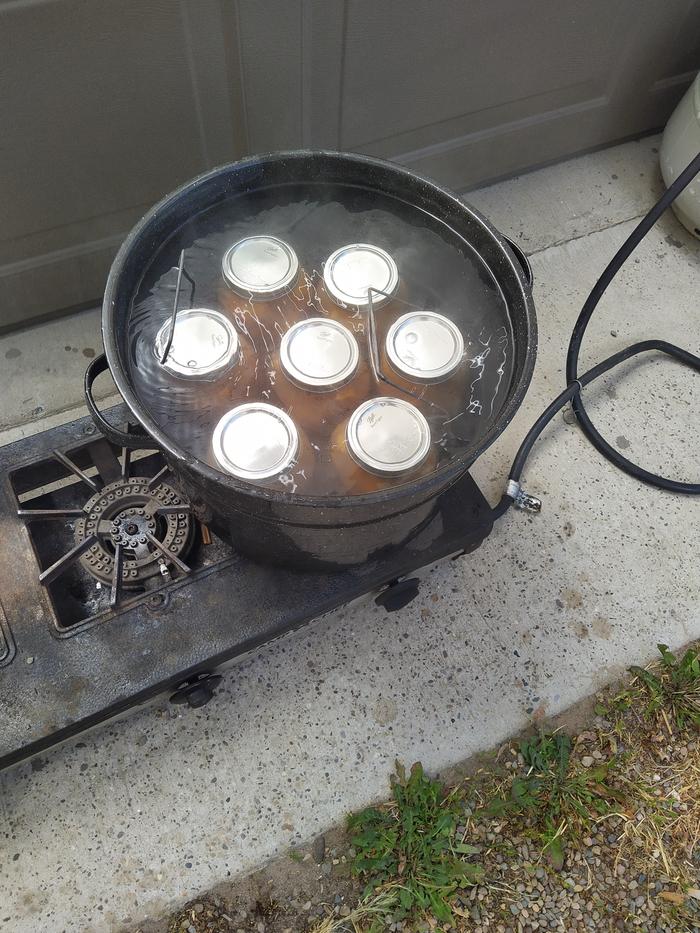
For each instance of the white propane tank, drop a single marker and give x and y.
(680, 144)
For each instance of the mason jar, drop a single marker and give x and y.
(386, 441)
(260, 443)
(209, 354)
(261, 273)
(423, 355)
(349, 273)
(320, 375)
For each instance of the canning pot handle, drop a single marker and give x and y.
(112, 433)
(523, 261)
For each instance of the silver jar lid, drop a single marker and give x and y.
(351, 270)
(260, 267)
(424, 345)
(388, 435)
(319, 353)
(204, 342)
(255, 441)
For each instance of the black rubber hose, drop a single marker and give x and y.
(584, 317)
(575, 382)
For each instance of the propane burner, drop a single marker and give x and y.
(136, 525)
(130, 531)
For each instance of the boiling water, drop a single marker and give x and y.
(437, 271)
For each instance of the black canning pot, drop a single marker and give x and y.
(270, 524)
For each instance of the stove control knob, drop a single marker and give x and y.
(398, 594)
(198, 691)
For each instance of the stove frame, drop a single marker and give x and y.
(56, 682)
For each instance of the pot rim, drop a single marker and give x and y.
(424, 486)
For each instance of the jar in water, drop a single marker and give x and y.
(320, 376)
(385, 442)
(208, 353)
(260, 274)
(348, 275)
(423, 355)
(260, 443)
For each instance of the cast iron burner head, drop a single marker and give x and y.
(131, 530)
(128, 519)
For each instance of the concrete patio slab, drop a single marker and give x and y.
(42, 371)
(152, 810)
(543, 208)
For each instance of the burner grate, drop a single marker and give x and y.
(132, 536)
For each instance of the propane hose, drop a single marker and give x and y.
(514, 493)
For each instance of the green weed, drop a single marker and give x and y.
(675, 686)
(412, 846)
(556, 796)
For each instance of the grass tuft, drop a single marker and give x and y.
(372, 910)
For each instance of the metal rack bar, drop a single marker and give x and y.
(155, 482)
(63, 563)
(105, 460)
(50, 514)
(117, 577)
(171, 333)
(126, 462)
(172, 509)
(180, 564)
(75, 469)
(375, 356)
